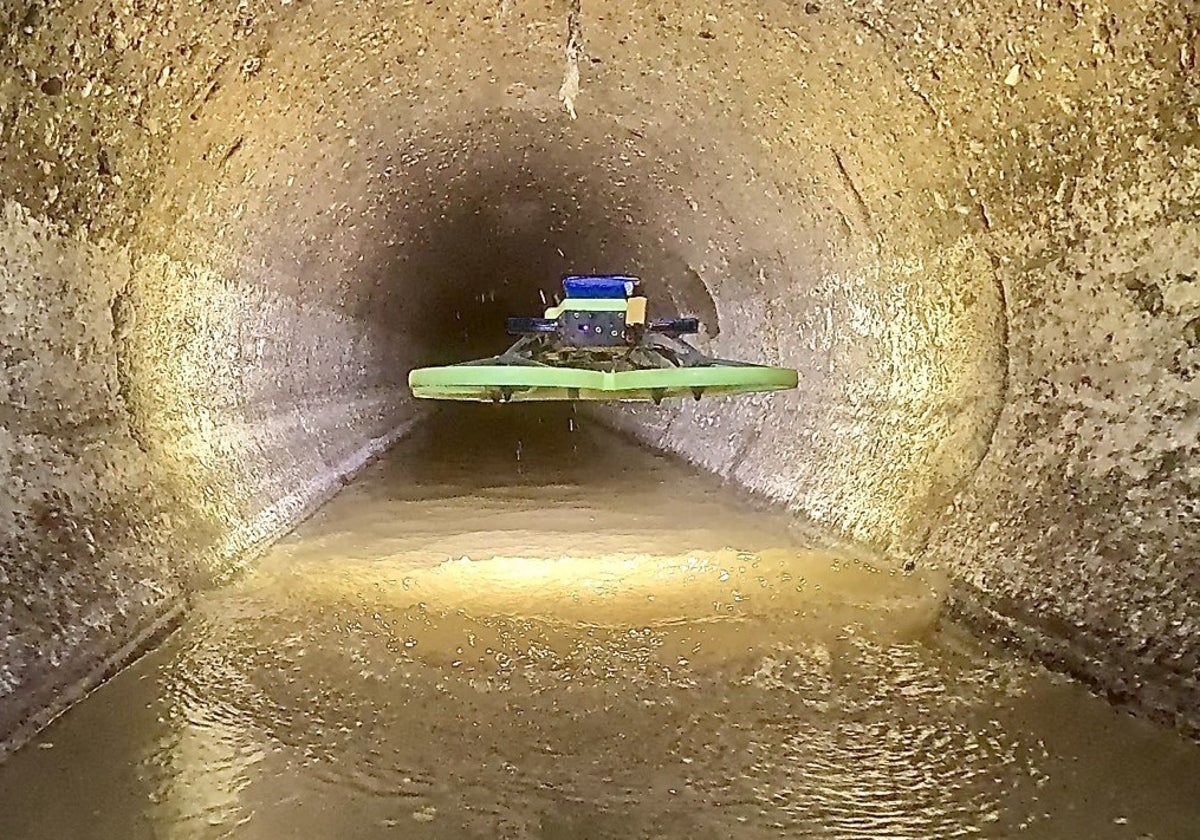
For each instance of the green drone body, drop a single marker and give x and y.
(597, 345)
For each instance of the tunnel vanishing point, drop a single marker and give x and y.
(228, 231)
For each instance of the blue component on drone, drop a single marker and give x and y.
(599, 285)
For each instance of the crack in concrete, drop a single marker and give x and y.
(848, 182)
(123, 316)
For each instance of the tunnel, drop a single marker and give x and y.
(229, 231)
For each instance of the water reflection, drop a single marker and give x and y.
(593, 645)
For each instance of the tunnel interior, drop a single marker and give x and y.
(228, 234)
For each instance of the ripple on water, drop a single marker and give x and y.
(849, 736)
(609, 650)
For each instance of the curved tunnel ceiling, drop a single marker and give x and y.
(432, 217)
(239, 228)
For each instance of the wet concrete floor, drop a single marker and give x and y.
(517, 625)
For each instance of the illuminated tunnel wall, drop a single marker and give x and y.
(229, 230)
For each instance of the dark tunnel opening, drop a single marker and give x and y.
(488, 225)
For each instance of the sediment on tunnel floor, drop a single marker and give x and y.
(228, 233)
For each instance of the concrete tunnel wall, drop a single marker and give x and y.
(228, 232)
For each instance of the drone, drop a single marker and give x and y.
(598, 344)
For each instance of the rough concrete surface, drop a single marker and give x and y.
(228, 231)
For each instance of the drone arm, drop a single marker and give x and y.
(532, 326)
(675, 326)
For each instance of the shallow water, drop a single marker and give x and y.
(515, 626)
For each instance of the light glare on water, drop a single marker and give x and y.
(590, 642)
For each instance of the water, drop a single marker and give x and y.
(587, 642)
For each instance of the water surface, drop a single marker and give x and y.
(519, 626)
